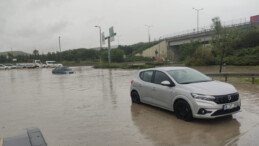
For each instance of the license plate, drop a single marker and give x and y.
(229, 106)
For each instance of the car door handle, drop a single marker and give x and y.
(140, 85)
(154, 88)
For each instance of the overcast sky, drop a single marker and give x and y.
(26, 25)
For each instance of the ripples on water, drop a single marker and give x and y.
(93, 107)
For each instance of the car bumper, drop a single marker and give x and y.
(213, 110)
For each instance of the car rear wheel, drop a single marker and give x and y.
(135, 97)
(183, 111)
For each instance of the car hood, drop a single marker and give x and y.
(210, 88)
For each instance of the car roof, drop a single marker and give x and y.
(166, 68)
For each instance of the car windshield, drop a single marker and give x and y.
(187, 76)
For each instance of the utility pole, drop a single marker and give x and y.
(159, 45)
(148, 27)
(198, 10)
(59, 43)
(100, 30)
(109, 48)
(118, 40)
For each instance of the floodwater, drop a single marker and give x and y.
(93, 107)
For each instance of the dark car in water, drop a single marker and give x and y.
(62, 70)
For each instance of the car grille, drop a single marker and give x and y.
(221, 99)
(222, 112)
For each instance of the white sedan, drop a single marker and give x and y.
(2, 67)
(187, 92)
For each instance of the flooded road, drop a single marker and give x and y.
(93, 107)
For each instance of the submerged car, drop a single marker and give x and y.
(187, 92)
(10, 66)
(52, 64)
(2, 67)
(62, 70)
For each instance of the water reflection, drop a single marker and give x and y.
(165, 129)
(113, 94)
(93, 107)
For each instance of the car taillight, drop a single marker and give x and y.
(131, 81)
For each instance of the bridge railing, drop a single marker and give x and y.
(206, 29)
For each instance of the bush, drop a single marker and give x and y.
(248, 56)
(202, 56)
(138, 58)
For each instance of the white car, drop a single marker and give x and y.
(187, 92)
(2, 67)
(53, 64)
(10, 66)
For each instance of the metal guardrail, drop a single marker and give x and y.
(226, 75)
(205, 29)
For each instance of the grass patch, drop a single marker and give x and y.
(79, 63)
(123, 66)
(134, 66)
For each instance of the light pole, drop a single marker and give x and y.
(159, 45)
(118, 36)
(198, 10)
(59, 43)
(100, 52)
(100, 29)
(148, 27)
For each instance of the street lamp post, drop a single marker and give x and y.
(148, 27)
(198, 10)
(100, 53)
(118, 36)
(59, 43)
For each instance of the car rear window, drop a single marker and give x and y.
(146, 75)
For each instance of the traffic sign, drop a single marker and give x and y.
(103, 38)
(111, 32)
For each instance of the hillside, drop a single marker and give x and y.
(15, 53)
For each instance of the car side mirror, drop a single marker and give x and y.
(166, 83)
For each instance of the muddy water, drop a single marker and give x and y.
(93, 107)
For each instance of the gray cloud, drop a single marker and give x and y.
(29, 24)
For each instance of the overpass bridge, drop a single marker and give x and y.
(169, 44)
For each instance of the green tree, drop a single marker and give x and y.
(188, 49)
(156, 52)
(117, 55)
(36, 53)
(222, 40)
(202, 56)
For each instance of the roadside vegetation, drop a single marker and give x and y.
(229, 46)
(84, 56)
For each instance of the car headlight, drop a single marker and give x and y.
(203, 97)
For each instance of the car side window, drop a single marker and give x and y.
(146, 75)
(160, 77)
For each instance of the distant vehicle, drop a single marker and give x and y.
(2, 67)
(30, 64)
(62, 70)
(52, 64)
(10, 66)
(185, 91)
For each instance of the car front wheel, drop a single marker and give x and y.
(183, 111)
